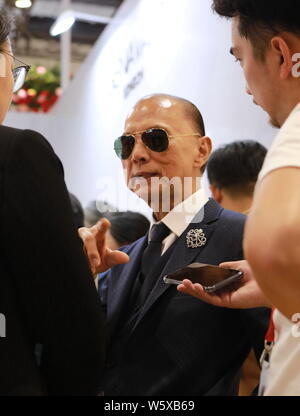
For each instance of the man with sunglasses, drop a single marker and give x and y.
(51, 340)
(159, 341)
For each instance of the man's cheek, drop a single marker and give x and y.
(2, 66)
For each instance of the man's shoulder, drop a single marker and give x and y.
(10, 133)
(233, 217)
(231, 223)
(12, 136)
(132, 250)
(131, 247)
(23, 144)
(8, 136)
(215, 212)
(9, 130)
(228, 227)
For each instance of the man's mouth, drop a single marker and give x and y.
(145, 175)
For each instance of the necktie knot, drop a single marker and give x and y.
(159, 232)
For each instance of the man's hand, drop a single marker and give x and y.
(100, 257)
(245, 296)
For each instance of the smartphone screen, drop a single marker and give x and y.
(210, 277)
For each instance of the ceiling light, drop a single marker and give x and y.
(66, 20)
(23, 4)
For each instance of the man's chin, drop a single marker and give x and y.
(154, 201)
(274, 123)
(272, 120)
(142, 193)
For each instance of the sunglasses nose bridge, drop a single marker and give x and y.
(140, 151)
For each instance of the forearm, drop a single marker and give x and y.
(278, 278)
(272, 239)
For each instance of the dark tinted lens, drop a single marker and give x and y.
(156, 140)
(124, 146)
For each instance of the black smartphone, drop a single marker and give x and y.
(212, 278)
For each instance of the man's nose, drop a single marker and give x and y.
(139, 152)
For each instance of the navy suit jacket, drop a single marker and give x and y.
(180, 345)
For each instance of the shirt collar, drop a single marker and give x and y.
(182, 215)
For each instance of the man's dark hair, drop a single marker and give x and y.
(127, 227)
(5, 26)
(235, 167)
(260, 20)
(97, 209)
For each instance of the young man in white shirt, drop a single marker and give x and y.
(266, 42)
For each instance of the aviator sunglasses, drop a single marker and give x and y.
(156, 140)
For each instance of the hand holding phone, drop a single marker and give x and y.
(211, 278)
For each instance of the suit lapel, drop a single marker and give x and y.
(120, 286)
(182, 255)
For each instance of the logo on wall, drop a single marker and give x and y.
(130, 72)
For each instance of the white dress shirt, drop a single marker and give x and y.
(181, 216)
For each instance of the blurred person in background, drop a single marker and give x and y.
(126, 228)
(53, 344)
(97, 209)
(232, 172)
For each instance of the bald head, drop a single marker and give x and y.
(164, 103)
(184, 153)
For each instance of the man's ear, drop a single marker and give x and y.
(203, 151)
(285, 54)
(217, 193)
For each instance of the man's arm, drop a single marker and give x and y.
(58, 301)
(244, 295)
(272, 239)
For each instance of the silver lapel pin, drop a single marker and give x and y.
(196, 238)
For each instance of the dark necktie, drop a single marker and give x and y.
(151, 256)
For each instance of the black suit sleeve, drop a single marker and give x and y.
(58, 300)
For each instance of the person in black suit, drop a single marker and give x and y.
(160, 341)
(51, 340)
